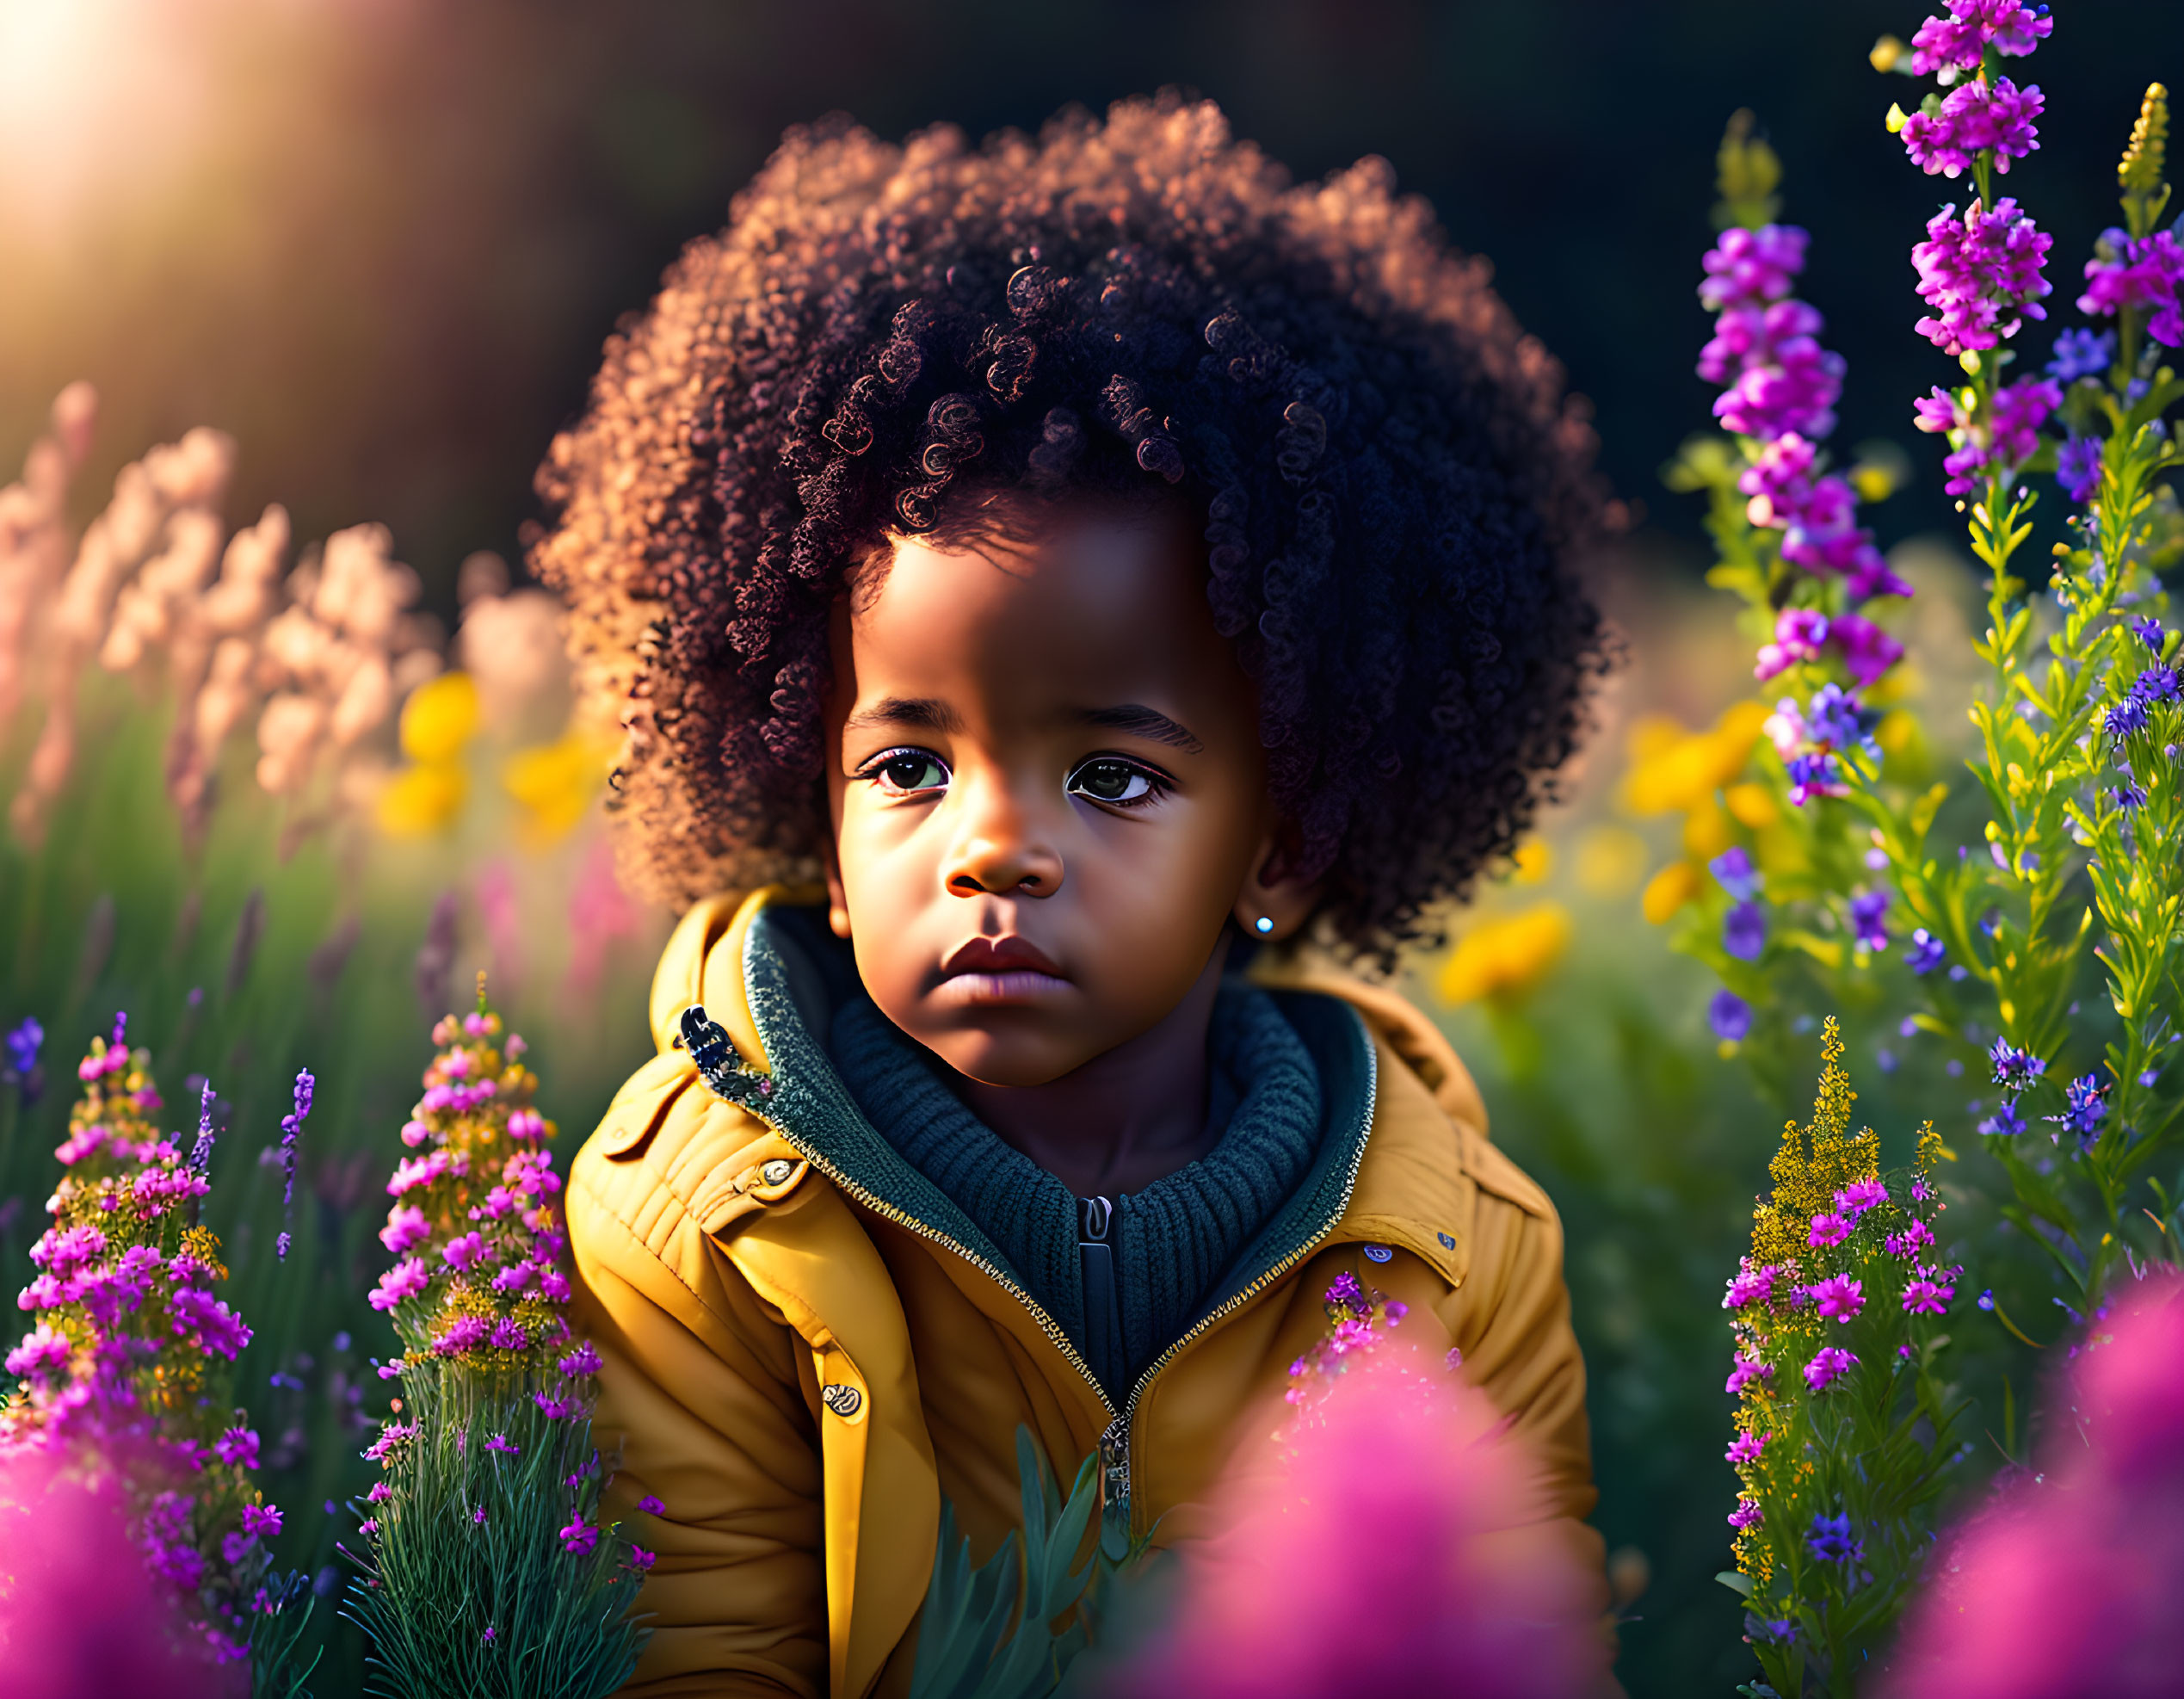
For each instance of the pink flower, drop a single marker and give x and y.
(1860, 1195)
(1745, 1448)
(1828, 1365)
(238, 1446)
(1839, 1297)
(463, 1250)
(1798, 634)
(2137, 272)
(1926, 1297)
(1747, 1514)
(404, 1280)
(1959, 41)
(41, 1352)
(1745, 1370)
(463, 1333)
(1976, 117)
(405, 1227)
(1752, 266)
(415, 1132)
(1914, 1238)
(2067, 1582)
(1751, 1285)
(1828, 1229)
(261, 1519)
(1981, 274)
(554, 1285)
(1418, 1510)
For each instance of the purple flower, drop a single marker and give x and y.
(640, 1560)
(2004, 1123)
(261, 1519)
(1828, 1228)
(1830, 1540)
(1745, 1448)
(237, 1446)
(1798, 634)
(1733, 867)
(1745, 266)
(1981, 275)
(584, 1360)
(2129, 796)
(2081, 353)
(502, 1443)
(509, 1335)
(2077, 467)
(1867, 650)
(463, 1250)
(2138, 273)
(463, 1333)
(1927, 1297)
(1839, 1297)
(2015, 1069)
(1868, 909)
(1860, 1195)
(1745, 1370)
(1751, 1285)
(2083, 1106)
(2148, 631)
(404, 1280)
(579, 1536)
(1779, 378)
(1976, 117)
(23, 1042)
(1908, 1243)
(1959, 41)
(1746, 1515)
(651, 1506)
(2156, 684)
(1828, 1365)
(1728, 1015)
(1926, 952)
(2128, 716)
(1743, 932)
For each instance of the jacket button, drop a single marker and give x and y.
(777, 1172)
(841, 1399)
(1378, 1253)
(1446, 1243)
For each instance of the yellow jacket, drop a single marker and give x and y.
(799, 1368)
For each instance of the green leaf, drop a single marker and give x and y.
(1739, 1584)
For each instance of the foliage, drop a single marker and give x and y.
(1843, 1422)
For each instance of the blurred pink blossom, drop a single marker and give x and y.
(1400, 1546)
(2067, 1584)
(81, 1615)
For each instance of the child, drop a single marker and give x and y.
(1058, 577)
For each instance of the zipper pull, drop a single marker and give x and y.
(1115, 1483)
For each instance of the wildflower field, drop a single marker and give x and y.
(1836, 1004)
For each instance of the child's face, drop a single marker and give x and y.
(1047, 790)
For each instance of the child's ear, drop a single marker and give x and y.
(837, 899)
(1275, 902)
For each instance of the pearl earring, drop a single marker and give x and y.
(1263, 925)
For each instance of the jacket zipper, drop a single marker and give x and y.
(1115, 1437)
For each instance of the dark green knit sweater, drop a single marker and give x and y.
(1174, 1240)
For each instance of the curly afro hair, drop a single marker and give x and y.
(1391, 480)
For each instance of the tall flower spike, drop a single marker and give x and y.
(291, 1130)
(2139, 176)
(201, 1153)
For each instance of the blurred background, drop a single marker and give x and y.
(379, 243)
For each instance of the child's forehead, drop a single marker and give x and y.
(1101, 605)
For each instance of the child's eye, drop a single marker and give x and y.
(1121, 784)
(906, 772)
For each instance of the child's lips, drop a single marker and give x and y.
(988, 972)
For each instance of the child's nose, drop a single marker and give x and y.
(999, 850)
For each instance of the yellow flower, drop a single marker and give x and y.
(1705, 833)
(1504, 958)
(1752, 806)
(1611, 860)
(1668, 890)
(555, 783)
(1534, 860)
(1677, 776)
(440, 717)
(418, 801)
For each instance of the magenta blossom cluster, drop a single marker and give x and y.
(1359, 1319)
(1950, 46)
(1993, 440)
(124, 1371)
(1982, 275)
(2141, 274)
(1978, 117)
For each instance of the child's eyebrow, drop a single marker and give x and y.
(1144, 722)
(922, 714)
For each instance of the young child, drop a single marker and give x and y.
(1086, 588)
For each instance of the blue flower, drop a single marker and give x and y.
(1743, 933)
(1734, 868)
(1811, 776)
(1926, 952)
(1867, 910)
(2148, 630)
(2015, 1069)
(1830, 1540)
(2130, 797)
(2077, 467)
(1987, 1299)
(23, 1044)
(2081, 353)
(2128, 716)
(2155, 684)
(1728, 1015)
(1837, 718)
(2082, 1108)
(2004, 1123)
